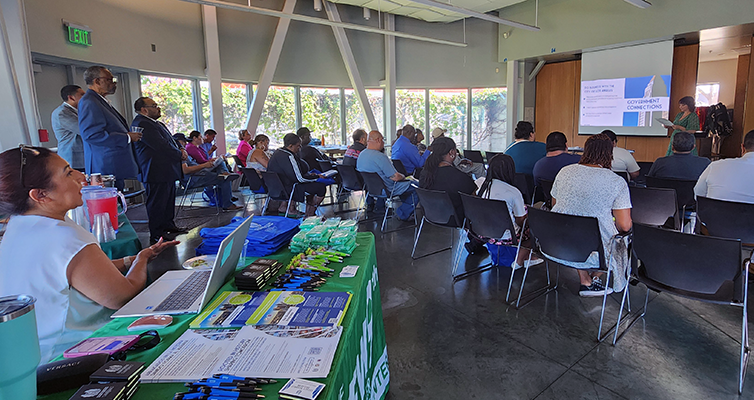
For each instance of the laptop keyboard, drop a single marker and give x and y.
(186, 294)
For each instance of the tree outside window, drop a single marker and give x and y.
(278, 115)
(320, 112)
(409, 108)
(447, 110)
(355, 116)
(488, 119)
(174, 96)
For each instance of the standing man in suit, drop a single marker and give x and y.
(65, 125)
(107, 138)
(159, 160)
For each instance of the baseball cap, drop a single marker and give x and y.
(180, 136)
(437, 132)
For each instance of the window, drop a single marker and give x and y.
(707, 94)
(447, 109)
(488, 119)
(354, 115)
(278, 115)
(320, 112)
(174, 96)
(409, 108)
(235, 107)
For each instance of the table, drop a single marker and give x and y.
(360, 369)
(126, 242)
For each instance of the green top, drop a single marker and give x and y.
(690, 123)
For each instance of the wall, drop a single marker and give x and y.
(722, 72)
(574, 25)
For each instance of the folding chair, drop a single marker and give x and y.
(398, 164)
(653, 206)
(377, 189)
(488, 218)
(727, 219)
(256, 185)
(570, 238)
(488, 155)
(525, 184)
(704, 268)
(276, 190)
(186, 187)
(352, 182)
(543, 189)
(623, 174)
(438, 211)
(684, 192)
(473, 156)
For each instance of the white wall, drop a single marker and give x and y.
(722, 72)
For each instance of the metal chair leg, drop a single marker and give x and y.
(745, 350)
(416, 240)
(266, 203)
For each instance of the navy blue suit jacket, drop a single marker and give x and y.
(104, 131)
(157, 153)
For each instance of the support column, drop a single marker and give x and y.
(350, 62)
(214, 75)
(343, 112)
(257, 104)
(468, 119)
(513, 96)
(297, 107)
(389, 94)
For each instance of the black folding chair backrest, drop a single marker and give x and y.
(644, 167)
(324, 165)
(544, 187)
(567, 237)
(398, 164)
(489, 154)
(488, 218)
(624, 175)
(275, 188)
(525, 184)
(438, 209)
(726, 218)
(653, 206)
(473, 156)
(255, 182)
(684, 190)
(375, 185)
(690, 264)
(351, 179)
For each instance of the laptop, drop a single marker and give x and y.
(187, 292)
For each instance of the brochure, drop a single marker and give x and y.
(279, 308)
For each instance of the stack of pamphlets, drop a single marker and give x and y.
(126, 372)
(102, 391)
(257, 274)
(301, 389)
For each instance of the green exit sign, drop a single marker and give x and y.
(78, 34)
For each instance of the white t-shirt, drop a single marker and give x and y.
(624, 161)
(500, 190)
(34, 256)
(731, 179)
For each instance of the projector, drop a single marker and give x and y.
(639, 3)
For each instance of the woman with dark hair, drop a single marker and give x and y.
(258, 158)
(244, 148)
(685, 121)
(590, 188)
(525, 150)
(498, 185)
(440, 174)
(46, 255)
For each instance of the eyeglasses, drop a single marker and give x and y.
(153, 106)
(24, 148)
(110, 79)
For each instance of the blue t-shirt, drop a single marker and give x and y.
(547, 168)
(409, 155)
(375, 161)
(525, 154)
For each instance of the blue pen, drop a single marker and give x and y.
(231, 394)
(188, 396)
(242, 378)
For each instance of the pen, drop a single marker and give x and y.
(234, 394)
(242, 378)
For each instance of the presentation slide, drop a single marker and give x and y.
(626, 90)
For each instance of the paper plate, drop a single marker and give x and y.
(200, 262)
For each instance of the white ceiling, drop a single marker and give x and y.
(725, 43)
(428, 13)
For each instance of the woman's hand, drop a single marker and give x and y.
(679, 128)
(151, 252)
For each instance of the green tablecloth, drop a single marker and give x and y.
(126, 242)
(360, 369)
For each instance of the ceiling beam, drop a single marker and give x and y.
(475, 14)
(321, 21)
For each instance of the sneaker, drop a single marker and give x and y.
(594, 290)
(528, 263)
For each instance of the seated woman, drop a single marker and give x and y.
(244, 148)
(498, 185)
(75, 284)
(591, 189)
(258, 158)
(440, 174)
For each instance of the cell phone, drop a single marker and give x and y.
(101, 345)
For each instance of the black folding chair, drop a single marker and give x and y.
(473, 156)
(488, 155)
(684, 192)
(543, 189)
(653, 206)
(703, 268)
(377, 189)
(644, 167)
(185, 186)
(276, 190)
(488, 218)
(398, 164)
(352, 182)
(727, 219)
(569, 238)
(438, 211)
(256, 185)
(525, 184)
(623, 174)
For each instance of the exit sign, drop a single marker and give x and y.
(78, 34)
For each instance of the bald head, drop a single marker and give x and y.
(375, 141)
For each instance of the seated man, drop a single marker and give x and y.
(207, 175)
(731, 179)
(682, 164)
(468, 167)
(623, 161)
(308, 153)
(525, 150)
(359, 144)
(405, 150)
(557, 157)
(372, 159)
(292, 170)
(208, 141)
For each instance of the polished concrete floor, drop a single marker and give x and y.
(462, 341)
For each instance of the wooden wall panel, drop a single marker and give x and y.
(555, 100)
(732, 145)
(748, 116)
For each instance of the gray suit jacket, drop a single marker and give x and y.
(65, 125)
